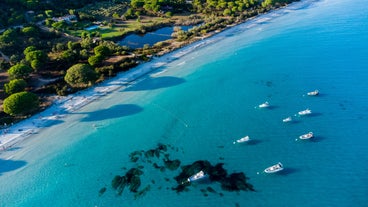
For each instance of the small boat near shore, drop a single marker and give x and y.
(313, 93)
(274, 168)
(305, 112)
(242, 140)
(287, 119)
(306, 136)
(198, 176)
(264, 105)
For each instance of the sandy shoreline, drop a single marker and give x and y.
(62, 106)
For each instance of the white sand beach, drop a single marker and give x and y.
(15, 133)
(62, 106)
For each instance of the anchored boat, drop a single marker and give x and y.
(241, 140)
(306, 136)
(274, 168)
(305, 112)
(264, 105)
(198, 176)
(313, 93)
(287, 119)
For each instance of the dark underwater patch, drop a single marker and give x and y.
(159, 160)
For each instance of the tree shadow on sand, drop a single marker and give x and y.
(112, 112)
(51, 122)
(10, 165)
(152, 83)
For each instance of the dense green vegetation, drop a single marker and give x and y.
(16, 12)
(47, 40)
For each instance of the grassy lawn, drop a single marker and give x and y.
(111, 32)
(120, 28)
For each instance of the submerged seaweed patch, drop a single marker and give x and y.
(102, 191)
(216, 173)
(131, 180)
(159, 159)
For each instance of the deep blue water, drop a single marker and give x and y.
(202, 102)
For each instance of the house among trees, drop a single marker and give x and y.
(67, 18)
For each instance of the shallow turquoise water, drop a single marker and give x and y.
(204, 101)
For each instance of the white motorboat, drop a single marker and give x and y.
(199, 175)
(305, 112)
(313, 93)
(264, 105)
(241, 140)
(306, 136)
(287, 119)
(274, 168)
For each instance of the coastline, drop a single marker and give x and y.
(61, 106)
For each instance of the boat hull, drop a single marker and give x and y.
(313, 93)
(264, 105)
(305, 112)
(274, 168)
(242, 140)
(198, 176)
(306, 136)
(288, 119)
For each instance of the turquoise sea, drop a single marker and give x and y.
(203, 101)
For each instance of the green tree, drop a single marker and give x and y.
(19, 71)
(30, 31)
(168, 14)
(29, 49)
(80, 75)
(36, 58)
(36, 55)
(95, 60)
(49, 13)
(59, 25)
(83, 54)
(8, 36)
(129, 14)
(87, 43)
(136, 3)
(15, 86)
(36, 64)
(227, 12)
(266, 3)
(14, 59)
(101, 50)
(68, 56)
(59, 47)
(21, 103)
(74, 45)
(115, 15)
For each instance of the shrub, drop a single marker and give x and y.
(80, 75)
(95, 60)
(15, 86)
(21, 103)
(101, 50)
(19, 71)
